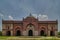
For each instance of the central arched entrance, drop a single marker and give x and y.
(8, 33)
(42, 33)
(18, 33)
(30, 33)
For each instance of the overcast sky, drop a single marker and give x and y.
(17, 9)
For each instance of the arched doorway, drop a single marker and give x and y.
(52, 33)
(18, 33)
(42, 33)
(30, 33)
(8, 33)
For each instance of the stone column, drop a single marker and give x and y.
(4, 33)
(56, 33)
(48, 32)
(24, 33)
(11, 28)
(36, 33)
(56, 30)
(11, 33)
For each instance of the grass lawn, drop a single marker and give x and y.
(27, 38)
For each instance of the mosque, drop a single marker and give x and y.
(29, 26)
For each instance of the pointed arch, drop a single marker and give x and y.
(18, 33)
(18, 30)
(30, 33)
(8, 33)
(52, 33)
(43, 31)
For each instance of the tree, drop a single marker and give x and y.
(59, 33)
(0, 33)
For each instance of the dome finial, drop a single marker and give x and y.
(30, 15)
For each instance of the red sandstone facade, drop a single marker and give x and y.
(29, 26)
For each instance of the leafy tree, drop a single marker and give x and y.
(0, 33)
(58, 33)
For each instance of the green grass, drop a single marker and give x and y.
(27, 38)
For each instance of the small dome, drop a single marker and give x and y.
(30, 17)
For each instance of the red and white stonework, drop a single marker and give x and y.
(29, 26)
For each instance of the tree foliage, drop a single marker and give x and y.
(0, 33)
